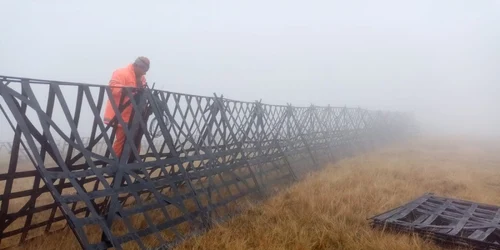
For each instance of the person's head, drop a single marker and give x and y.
(141, 66)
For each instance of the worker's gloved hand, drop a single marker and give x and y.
(137, 90)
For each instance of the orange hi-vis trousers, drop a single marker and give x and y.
(120, 140)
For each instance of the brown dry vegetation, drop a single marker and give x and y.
(329, 209)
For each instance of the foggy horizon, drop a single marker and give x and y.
(436, 59)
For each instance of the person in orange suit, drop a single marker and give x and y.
(133, 75)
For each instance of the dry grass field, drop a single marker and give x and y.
(328, 209)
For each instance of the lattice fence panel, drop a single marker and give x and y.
(187, 160)
(446, 220)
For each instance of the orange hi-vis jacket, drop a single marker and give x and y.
(123, 77)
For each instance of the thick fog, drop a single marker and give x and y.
(438, 59)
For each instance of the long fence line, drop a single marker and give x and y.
(200, 158)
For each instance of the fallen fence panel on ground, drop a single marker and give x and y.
(446, 220)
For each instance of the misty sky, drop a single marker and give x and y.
(439, 59)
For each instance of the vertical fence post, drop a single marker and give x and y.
(324, 130)
(221, 107)
(277, 144)
(300, 134)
